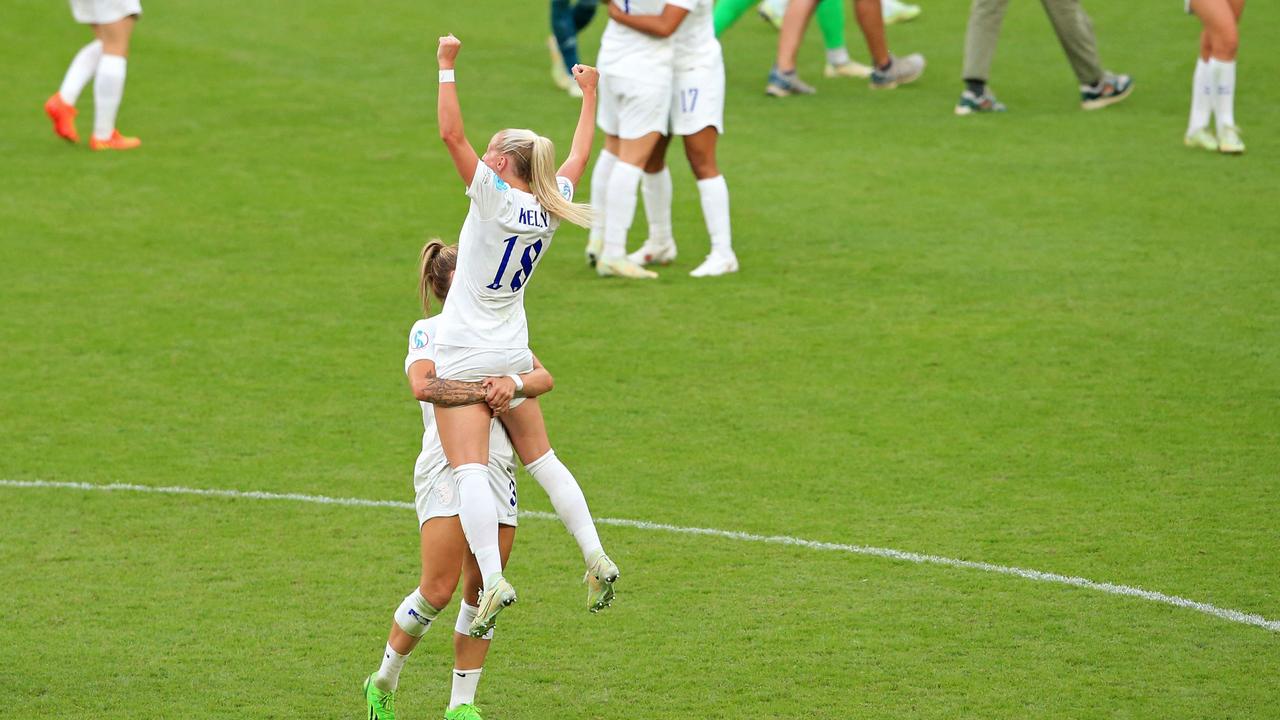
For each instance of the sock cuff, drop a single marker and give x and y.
(112, 62)
(536, 465)
(475, 671)
(95, 45)
(666, 170)
(392, 651)
(606, 155)
(708, 183)
(627, 170)
(468, 468)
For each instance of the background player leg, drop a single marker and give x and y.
(980, 38)
(620, 207)
(831, 21)
(783, 78)
(1220, 21)
(61, 107)
(1098, 88)
(1198, 133)
(108, 87)
(700, 148)
(660, 247)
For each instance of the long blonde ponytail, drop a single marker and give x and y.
(435, 272)
(535, 162)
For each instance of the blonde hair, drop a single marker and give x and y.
(534, 160)
(435, 272)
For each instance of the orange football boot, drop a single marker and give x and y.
(115, 142)
(63, 117)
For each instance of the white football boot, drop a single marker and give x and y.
(654, 252)
(623, 268)
(717, 263)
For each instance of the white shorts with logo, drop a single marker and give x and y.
(454, 362)
(631, 108)
(697, 100)
(435, 491)
(102, 12)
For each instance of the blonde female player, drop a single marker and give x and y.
(102, 61)
(444, 548)
(697, 114)
(518, 200)
(1213, 89)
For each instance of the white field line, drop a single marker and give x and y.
(1235, 616)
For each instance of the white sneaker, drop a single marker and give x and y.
(558, 74)
(595, 245)
(716, 264)
(654, 252)
(849, 69)
(895, 11)
(1229, 142)
(623, 268)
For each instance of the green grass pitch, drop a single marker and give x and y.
(1049, 339)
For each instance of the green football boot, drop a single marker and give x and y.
(466, 711)
(1201, 139)
(382, 705)
(497, 596)
(600, 578)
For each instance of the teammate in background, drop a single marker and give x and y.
(568, 18)
(697, 114)
(831, 20)
(894, 11)
(888, 71)
(635, 108)
(1213, 89)
(444, 552)
(1098, 88)
(518, 200)
(102, 61)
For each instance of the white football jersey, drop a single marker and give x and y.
(422, 347)
(628, 53)
(694, 41)
(505, 235)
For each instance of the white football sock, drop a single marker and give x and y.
(657, 203)
(599, 189)
(80, 72)
(715, 211)
(108, 89)
(466, 615)
(620, 208)
(387, 678)
(1201, 97)
(465, 683)
(838, 57)
(569, 502)
(1223, 74)
(479, 521)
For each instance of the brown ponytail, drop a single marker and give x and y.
(435, 272)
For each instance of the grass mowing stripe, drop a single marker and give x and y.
(1235, 616)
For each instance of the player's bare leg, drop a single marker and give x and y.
(469, 652)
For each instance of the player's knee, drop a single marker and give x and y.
(417, 612)
(1227, 42)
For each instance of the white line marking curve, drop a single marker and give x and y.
(1235, 616)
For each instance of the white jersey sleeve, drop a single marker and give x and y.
(566, 187)
(487, 191)
(420, 346)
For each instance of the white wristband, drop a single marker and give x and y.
(519, 383)
(446, 76)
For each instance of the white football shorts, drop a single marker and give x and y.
(103, 12)
(632, 108)
(697, 100)
(435, 492)
(468, 364)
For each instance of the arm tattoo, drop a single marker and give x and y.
(451, 393)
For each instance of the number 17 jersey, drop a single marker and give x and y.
(505, 235)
